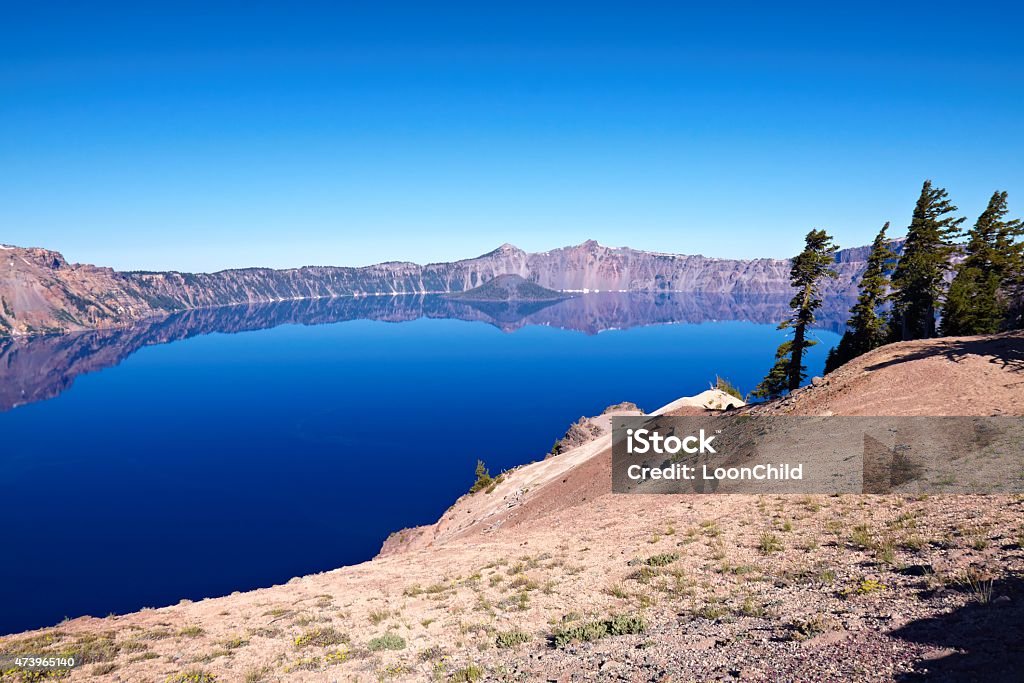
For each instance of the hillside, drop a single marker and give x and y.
(876, 588)
(40, 292)
(982, 375)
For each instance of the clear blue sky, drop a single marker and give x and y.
(200, 136)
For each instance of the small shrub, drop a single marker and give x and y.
(661, 560)
(377, 616)
(388, 641)
(644, 574)
(864, 587)
(769, 543)
(191, 632)
(258, 675)
(617, 591)
(304, 664)
(592, 630)
(861, 537)
(711, 612)
(827, 577)
(595, 630)
(803, 629)
(235, 643)
(524, 582)
(626, 624)
(913, 544)
(751, 608)
(467, 674)
(724, 385)
(710, 528)
(979, 585)
(507, 639)
(321, 637)
(886, 554)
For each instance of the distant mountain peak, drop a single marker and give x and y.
(505, 249)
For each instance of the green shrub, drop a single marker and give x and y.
(321, 637)
(467, 674)
(595, 630)
(724, 385)
(861, 537)
(625, 624)
(661, 560)
(483, 478)
(864, 587)
(512, 638)
(388, 641)
(769, 543)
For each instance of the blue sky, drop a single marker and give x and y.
(199, 136)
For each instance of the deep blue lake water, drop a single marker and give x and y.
(232, 449)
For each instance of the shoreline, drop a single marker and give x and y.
(386, 549)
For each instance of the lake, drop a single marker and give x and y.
(235, 448)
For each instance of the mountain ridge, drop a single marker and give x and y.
(42, 293)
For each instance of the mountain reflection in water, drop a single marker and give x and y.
(39, 368)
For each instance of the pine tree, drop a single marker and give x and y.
(867, 329)
(980, 296)
(776, 382)
(1011, 249)
(813, 263)
(919, 279)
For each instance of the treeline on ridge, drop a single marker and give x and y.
(911, 296)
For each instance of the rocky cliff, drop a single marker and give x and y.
(40, 292)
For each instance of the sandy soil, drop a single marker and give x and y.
(981, 375)
(668, 588)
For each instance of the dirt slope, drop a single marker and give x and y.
(760, 588)
(981, 375)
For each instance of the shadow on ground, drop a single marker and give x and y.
(985, 641)
(1005, 350)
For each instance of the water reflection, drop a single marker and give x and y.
(40, 368)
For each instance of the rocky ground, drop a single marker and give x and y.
(551, 577)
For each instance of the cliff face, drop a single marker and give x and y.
(42, 293)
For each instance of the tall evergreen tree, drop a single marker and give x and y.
(981, 294)
(918, 280)
(1010, 245)
(814, 263)
(867, 329)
